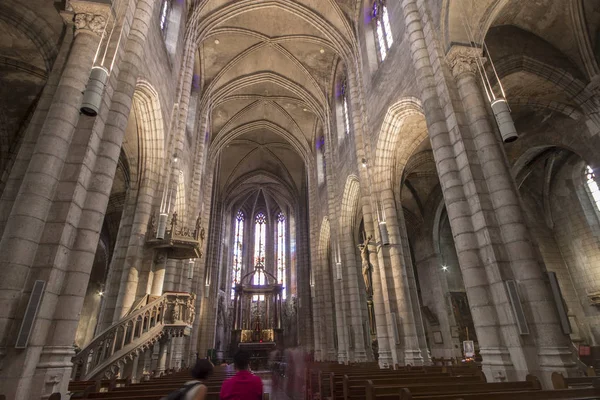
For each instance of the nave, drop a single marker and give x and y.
(370, 183)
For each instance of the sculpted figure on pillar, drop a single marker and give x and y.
(463, 59)
(366, 265)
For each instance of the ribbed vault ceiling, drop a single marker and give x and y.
(267, 69)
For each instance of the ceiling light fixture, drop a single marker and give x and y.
(217, 41)
(305, 109)
(444, 268)
(322, 51)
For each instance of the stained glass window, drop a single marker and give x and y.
(383, 28)
(593, 186)
(164, 14)
(281, 270)
(321, 160)
(238, 241)
(260, 236)
(345, 109)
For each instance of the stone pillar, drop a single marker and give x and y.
(387, 354)
(518, 260)
(450, 157)
(404, 298)
(132, 267)
(355, 299)
(41, 369)
(25, 224)
(158, 279)
(170, 271)
(162, 356)
(135, 368)
(340, 312)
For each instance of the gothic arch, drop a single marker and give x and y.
(151, 129)
(394, 146)
(349, 207)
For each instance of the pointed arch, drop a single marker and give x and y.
(394, 148)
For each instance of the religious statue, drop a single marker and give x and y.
(174, 221)
(153, 224)
(175, 313)
(198, 226)
(366, 265)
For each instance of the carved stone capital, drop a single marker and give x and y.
(463, 59)
(89, 16)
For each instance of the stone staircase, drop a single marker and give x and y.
(152, 319)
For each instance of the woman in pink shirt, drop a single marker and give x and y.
(244, 385)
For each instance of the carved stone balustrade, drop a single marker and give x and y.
(170, 315)
(182, 242)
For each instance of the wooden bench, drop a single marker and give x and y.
(331, 384)
(375, 390)
(560, 382)
(356, 388)
(570, 394)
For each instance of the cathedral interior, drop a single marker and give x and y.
(370, 181)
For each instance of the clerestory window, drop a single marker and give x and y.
(345, 108)
(592, 186)
(238, 243)
(383, 28)
(165, 9)
(281, 247)
(260, 236)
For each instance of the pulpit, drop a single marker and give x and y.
(257, 316)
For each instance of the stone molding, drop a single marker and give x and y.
(463, 59)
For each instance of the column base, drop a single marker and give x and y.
(385, 359)
(413, 357)
(342, 357)
(331, 355)
(497, 365)
(360, 356)
(555, 359)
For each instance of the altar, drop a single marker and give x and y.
(257, 312)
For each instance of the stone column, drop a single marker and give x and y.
(518, 259)
(41, 369)
(158, 279)
(355, 299)
(387, 352)
(134, 368)
(25, 224)
(162, 356)
(399, 269)
(451, 157)
(170, 272)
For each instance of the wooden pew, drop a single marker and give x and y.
(356, 388)
(566, 394)
(331, 384)
(560, 382)
(374, 390)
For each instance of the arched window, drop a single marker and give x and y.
(321, 160)
(165, 9)
(281, 270)
(592, 186)
(383, 29)
(238, 242)
(345, 108)
(260, 235)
